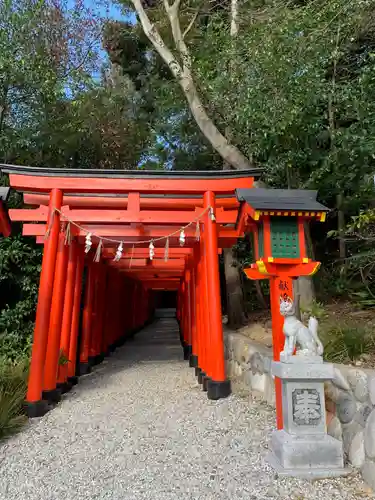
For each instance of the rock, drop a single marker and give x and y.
(331, 392)
(334, 428)
(339, 380)
(371, 387)
(237, 369)
(346, 407)
(267, 364)
(362, 414)
(238, 349)
(358, 382)
(269, 390)
(368, 473)
(370, 435)
(258, 382)
(330, 406)
(247, 378)
(232, 368)
(256, 363)
(357, 450)
(348, 433)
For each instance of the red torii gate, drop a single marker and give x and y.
(133, 207)
(137, 208)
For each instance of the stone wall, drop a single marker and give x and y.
(350, 398)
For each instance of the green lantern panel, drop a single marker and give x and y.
(284, 238)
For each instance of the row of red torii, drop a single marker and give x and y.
(171, 226)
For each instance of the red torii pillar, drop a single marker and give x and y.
(35, 406)
(76, 313)
(84, 366)
(202, 371)
(193, 356)
(218, 386)
(67, 317)
(50, 390)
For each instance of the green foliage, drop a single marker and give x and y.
(346, 343)
(316, 309)
(360, 266)
(19, 278)
(294, 90)
(13, 378)
(63, 358)
(60, 103)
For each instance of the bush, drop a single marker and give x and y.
(13, 382)
(20, 261)
(346, 343)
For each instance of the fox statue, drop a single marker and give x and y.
(305, 338)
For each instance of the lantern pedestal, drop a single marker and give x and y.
(303, 448)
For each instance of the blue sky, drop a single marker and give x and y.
(112, 10)
(106, 9)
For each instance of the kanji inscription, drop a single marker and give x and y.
(283, 286)
(307, 408)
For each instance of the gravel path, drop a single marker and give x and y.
(140, 428)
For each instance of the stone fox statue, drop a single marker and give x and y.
(297, 334)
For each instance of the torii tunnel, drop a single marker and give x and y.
(172, 226)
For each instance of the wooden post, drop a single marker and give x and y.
(279, 286)
(182, 312)
(67, 316)
(187, 315)
(203, 375)
(102, 330)
(84, 366)
(110, 312)
(196, 348)
(193, 308)
(218, 386)
(120, 320)
(35, 406)
(76, 316)
(50, 391)
(134, 308)
(95, 340)
(194, 357)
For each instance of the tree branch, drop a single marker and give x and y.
(191, 24)
(234, 18)
(184, 77)
(173, 15)
(153, 35)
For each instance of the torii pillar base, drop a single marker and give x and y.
(52, 396)
(36, 409)
(218, 390)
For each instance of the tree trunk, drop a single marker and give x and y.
(183, 75)
(260, 295)
(304, 291)
(341, 225)
(234, 291)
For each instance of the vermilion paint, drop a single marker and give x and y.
(68, 309)
(55, 322)
(217, 362)
(87, 314)
(43, 310)
(76, 312)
